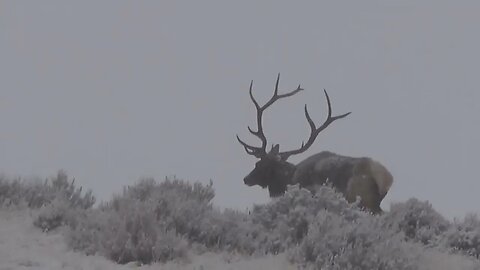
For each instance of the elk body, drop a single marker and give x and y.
(352, 176)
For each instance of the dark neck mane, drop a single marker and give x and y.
(284, 178)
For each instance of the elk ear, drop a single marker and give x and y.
(275, 150)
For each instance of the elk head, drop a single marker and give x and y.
(272, 171)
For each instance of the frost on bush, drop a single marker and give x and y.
(148, 222)
(287, 219)
(159, 222)
(177, 204)
(58, 199)
(19, 192)
(273, 227)
(7, 191)
(54, 215)
(464, 237)
(231, 231)
(60, 202)
(61, 188)
(132, 234)
(334, 242)
(153, 221)
(418, 221)
(340, 236)
(36, 194)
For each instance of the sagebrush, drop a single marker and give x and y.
(169, 220)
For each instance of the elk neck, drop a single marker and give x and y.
(283, 178)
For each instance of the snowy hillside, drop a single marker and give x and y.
(172, 225)
(22, 246)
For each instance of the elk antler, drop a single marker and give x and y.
(314, 131)
(260, 152)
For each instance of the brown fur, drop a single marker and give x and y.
(361, 178)
(355, 178)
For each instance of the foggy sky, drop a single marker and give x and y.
(112, 91)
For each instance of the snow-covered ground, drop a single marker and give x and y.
(22, 246)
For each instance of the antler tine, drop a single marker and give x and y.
(314, 131)
(261, 151)
(330, 109)
(251, 150)
(251, 96)
(275, 92)
(276, 96)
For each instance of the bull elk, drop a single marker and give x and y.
(352, 176)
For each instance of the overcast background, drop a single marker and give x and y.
(112, 91)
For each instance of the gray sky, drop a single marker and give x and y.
(112, 91)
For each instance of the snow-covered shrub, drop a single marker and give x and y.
(464, 237)
(19, 192)
(55, 214)
(8, 190)
(63, 189)
(177, 204)
(230, 231)
(36, 193)
(131, 234)
(335, 242)
(148, 188)
(186, 209)
(165, 221)
(418, 221)
(138, 223)
(287, 219)
(60, 202)
(273, 227)
(149, 222)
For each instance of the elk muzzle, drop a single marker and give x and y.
(249, 181)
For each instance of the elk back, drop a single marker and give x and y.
(362, 177)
